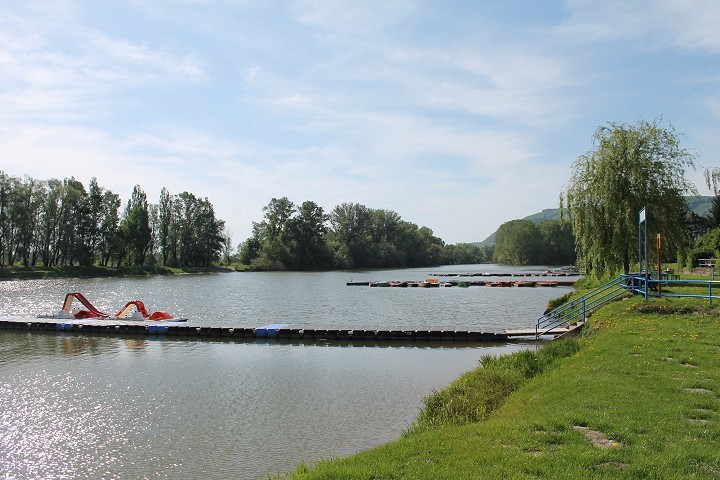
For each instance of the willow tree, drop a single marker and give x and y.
(628, 167)
(712, 177)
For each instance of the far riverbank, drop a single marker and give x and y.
(95, 271)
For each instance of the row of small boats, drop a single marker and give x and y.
(565, 272)
(433, 282)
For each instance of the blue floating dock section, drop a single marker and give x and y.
(273, 331)
(157, 329)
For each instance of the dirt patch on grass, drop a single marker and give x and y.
(619, 465)
(703, 391)
(598, 438)
(673, 309)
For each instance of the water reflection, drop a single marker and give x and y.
(300, 299)
(75, 406)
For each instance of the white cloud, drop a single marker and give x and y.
(688, 24)
(241, 101)
(73, 77)
(353, 18)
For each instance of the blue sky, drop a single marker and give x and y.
(458, 115)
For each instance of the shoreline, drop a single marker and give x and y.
(644, 379)
(66, 271)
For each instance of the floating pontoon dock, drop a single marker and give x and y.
(275, 331)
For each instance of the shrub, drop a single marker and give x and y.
(476, 394)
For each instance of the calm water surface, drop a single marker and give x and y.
(74, 406)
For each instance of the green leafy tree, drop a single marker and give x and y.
(208, 235)
(165, 218)
(227, 247)
(250, 249)
(464, 254)
(432, 247)
(75, 224)
(712, 178)
(109, 226)
(135, 227)
(628, 167)
(307, 230)
(53, 216)
(82, 231)
(713, 218)
(351, 225)
(706, 246)
(384, 233)
(273, 232)
(518, 242)
(557, 243)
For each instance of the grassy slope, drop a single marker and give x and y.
(649, 382)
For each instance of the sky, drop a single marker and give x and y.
(457, 115)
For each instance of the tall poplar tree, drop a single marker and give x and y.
(136, 226)
(628, 167)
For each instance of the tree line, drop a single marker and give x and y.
(628, 167)
(705, 232)
(351, 235)
(54, 222)
(525, 242)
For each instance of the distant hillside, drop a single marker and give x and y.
(547, 214)
(698, 204)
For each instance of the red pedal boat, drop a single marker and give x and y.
(134, 310)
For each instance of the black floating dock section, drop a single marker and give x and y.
(275, 331)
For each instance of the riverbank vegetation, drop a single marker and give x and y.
(640, 398)
(97, 271)
(525, 242)
(304, 237)
(45, 225)
(61, 223)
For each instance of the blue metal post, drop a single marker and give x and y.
(647, 261)
(583, 309)
(641, 219)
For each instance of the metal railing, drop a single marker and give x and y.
(579, 308)
(653, 287)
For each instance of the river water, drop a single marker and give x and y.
(76, 406)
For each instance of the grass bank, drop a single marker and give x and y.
(66, 271)
(640, 398)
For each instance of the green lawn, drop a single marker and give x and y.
(639, 399)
